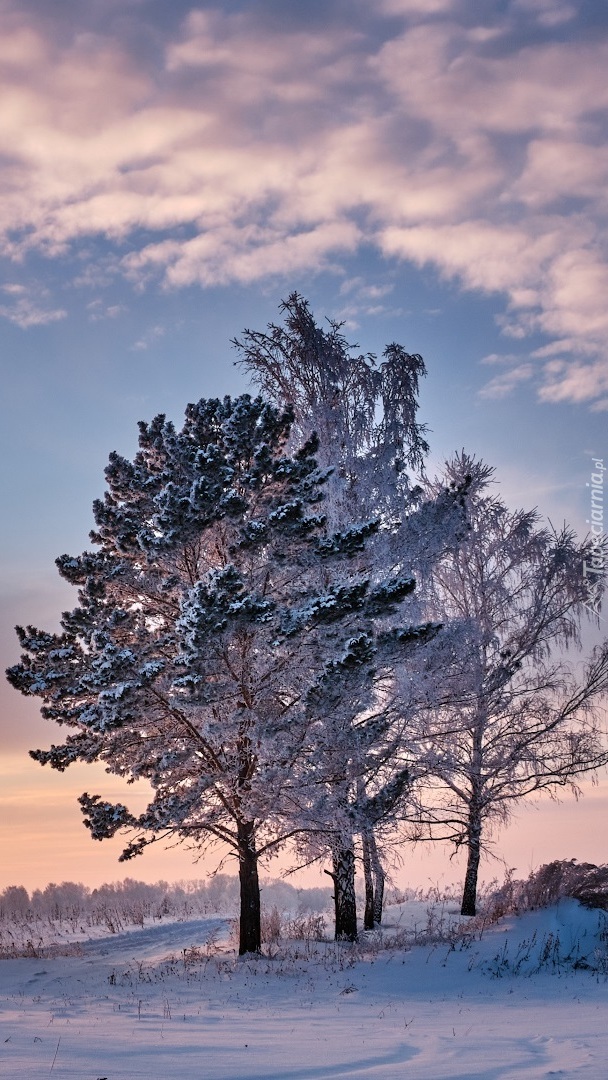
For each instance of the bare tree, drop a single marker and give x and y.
(513, 717)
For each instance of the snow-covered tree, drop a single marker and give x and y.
(365, 412)
(209, 610)
(515, 717)
(359, 768)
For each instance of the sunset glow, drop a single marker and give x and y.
(431, 172)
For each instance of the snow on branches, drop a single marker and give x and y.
(215, 602)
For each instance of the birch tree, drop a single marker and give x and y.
(365, 413)
(514, 716)
(360, 769)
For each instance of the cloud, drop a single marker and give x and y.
(363, 298)
(99, 310)
(421, 8)
(503, 385)
(28, 307)
(149, 338)
(548, 13)
(578, 382)
(242, 253)
(240, 146)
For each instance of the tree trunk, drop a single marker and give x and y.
(379, 878)
(469, 895)
(368, 917)
(345, 906)
(250, 940)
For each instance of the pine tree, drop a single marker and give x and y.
(209, 609)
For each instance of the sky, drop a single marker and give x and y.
(432, 172)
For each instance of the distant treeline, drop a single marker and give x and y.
(133, 901)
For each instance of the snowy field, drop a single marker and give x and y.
(524, 999)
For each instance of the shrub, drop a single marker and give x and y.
(554, 881)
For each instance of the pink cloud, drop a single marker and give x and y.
(574, 381)
(280, 150)
(504, 384)
(29, 306)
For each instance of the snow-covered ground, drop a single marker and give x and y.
(527, 1000)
